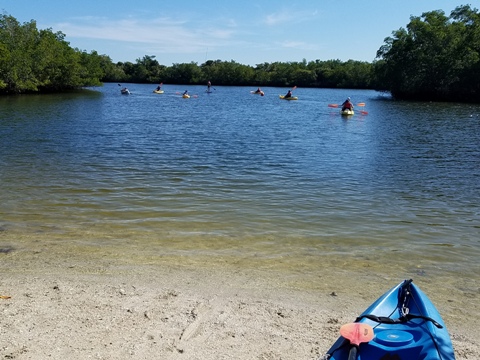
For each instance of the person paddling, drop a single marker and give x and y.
(347, 105)
(289, 94)
(209, 85)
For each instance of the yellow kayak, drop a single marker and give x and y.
(288, 98)
(347, 112)
(186, 96)
(158, 91)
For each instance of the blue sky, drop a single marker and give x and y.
(249, 32)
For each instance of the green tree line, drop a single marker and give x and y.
(327, 74)
(33, 60)
(436, 57)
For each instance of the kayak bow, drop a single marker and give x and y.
(347, 112)
(288, 98)
(406, 326)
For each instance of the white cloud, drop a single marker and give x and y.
(161, 33)
(286, 17)
(300, 45)
(278, 18)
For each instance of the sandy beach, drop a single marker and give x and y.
(70, 308)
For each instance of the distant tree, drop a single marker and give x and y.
(435, 58)
(111, 72)
(33, 60)
(184, 73)
(18, 55)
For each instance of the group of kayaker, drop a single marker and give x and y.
(346, 105)
(258, 91)
(209, 85)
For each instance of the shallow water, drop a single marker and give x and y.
(244, 180)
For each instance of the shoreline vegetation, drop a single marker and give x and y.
(434, 58)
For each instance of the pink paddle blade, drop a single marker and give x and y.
(357, 333)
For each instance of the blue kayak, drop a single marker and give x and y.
(406, 326)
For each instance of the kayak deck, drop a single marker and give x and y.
(405, 324)
(288, 98)
(347, 112)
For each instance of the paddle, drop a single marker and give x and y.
(363, 112)
(336, 105)
(356, 333)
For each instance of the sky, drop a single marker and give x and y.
(248, 32)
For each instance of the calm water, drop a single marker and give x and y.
(238, 175)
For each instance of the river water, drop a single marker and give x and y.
(246, 180)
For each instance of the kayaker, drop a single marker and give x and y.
(159, 87)
(347, 104)
(258, 91)
(289, 94)
(186, 92)
(209, 85)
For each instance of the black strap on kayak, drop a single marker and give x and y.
(390, 357)
(400, 320)
(404, 298)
